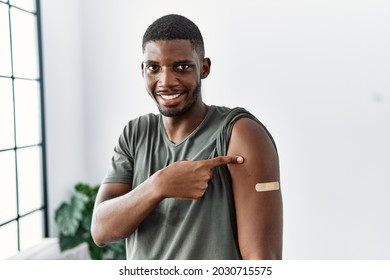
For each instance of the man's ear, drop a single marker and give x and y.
(206, 66)
(142, 69)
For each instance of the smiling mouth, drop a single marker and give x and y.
(170, 96)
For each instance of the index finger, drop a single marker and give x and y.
(224, 160)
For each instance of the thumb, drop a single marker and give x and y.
(224, 160)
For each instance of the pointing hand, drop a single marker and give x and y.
(189, 179)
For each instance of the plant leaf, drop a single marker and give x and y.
(74, 223)
(87, 190)
(69, 242)
(69, 215)
(96, 252)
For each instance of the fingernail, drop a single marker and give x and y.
(240, 160)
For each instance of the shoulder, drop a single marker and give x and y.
(233, 116)
(252, 140)
(144, 119)
(140, 123)
(138, 128)
(227, 111)
(252, 130)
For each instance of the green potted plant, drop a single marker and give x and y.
(74, 218)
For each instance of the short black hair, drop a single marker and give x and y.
(172, 27)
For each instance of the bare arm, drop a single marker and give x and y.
(119, 209)
(259, 214)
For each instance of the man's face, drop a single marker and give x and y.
(172, 71)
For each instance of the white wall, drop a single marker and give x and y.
(63, 97)
(315, 72)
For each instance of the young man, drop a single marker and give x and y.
(195, 181)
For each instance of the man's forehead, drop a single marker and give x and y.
(177, 47)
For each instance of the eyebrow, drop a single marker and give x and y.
(184, 61)
(150, 62)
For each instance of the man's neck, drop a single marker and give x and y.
(178, 128)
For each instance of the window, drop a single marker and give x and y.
(23, 214)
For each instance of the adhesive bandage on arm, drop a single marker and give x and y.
(265, 187)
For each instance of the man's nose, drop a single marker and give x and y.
(167, 78)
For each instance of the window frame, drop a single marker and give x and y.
(42, 144)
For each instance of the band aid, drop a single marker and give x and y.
(265, 187)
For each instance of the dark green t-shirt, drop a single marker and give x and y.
(180, 229)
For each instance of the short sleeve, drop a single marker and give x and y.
(227, 128)
(121, 167)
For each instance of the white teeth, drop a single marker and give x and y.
(170, 96)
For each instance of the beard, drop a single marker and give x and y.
(176, 112)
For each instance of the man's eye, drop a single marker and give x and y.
(152, 68)
(183, 67)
